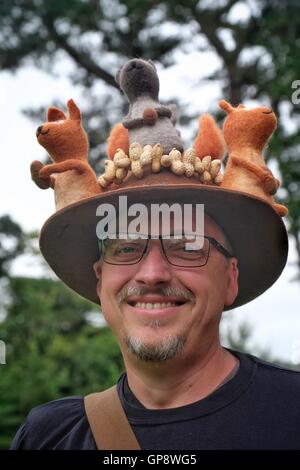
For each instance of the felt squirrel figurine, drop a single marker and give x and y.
(71, 176)
(148, 122)
(246, 132)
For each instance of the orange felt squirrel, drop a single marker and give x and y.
(246, 132)
(66, 141)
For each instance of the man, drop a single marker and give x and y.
(164, 301)
(181, 390)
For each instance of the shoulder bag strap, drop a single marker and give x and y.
(108, 421)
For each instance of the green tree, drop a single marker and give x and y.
(53, 350)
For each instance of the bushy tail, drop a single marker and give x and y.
(118, 138)
(209, 140)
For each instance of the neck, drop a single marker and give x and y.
(73, 156)
(184, 381)
(248, 153)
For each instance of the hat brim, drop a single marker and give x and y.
(256, 233)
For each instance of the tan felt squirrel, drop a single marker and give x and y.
(148, 121)
(71, 176)
(246, 132)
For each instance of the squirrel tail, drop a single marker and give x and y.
(209, 140)
(118, 138)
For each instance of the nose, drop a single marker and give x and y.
(153, 269)
(135, 64)
(39, 130)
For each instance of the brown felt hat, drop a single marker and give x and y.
(256, 232)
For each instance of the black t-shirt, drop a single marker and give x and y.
(259, 408)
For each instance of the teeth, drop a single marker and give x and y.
(150, 306)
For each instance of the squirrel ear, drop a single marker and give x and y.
(74, 111)
(226, 106)
(55, 114)
(118, 76)
(241, 106)
(152, 63)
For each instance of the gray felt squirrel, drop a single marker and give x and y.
(148, 122)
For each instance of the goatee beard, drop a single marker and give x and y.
(166, 349)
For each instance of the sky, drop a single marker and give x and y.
(274, 317)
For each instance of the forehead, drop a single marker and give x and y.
(160, 219)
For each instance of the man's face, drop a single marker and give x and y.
(188, 302)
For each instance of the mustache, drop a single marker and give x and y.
(166, 291)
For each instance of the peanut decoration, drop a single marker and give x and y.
(208, 171)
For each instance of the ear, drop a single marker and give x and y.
(152, 63)
(74, 111)
(226, 106)
(232, 286)
(241, 106)
(55, 114)
(97, 269)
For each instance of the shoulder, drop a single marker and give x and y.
(46, 425)
(277, 369)
(276, 379)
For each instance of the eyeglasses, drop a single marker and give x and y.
(188, 251)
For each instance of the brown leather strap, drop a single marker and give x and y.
(108, 421)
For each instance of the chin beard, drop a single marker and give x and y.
(168, 348)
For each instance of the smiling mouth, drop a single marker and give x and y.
(155, 305)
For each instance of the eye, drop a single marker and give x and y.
(119, 248)
(193, 248)
(60, 121)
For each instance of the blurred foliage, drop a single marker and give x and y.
(52, 348)
(11, 243)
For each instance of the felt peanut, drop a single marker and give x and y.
(166, 161)
(177, 165)
(109, 170)
(121, 173)
(120, 159)
(188, 161)
(206, 161)
(135, 151)
(218, 179)
(199, 167)
(215, 167)
(137, 169)
(156, 158)
(205, 177)
(146, 155)
(102, 181)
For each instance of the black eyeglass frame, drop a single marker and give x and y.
(212, 241)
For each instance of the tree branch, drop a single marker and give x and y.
(81, 58)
